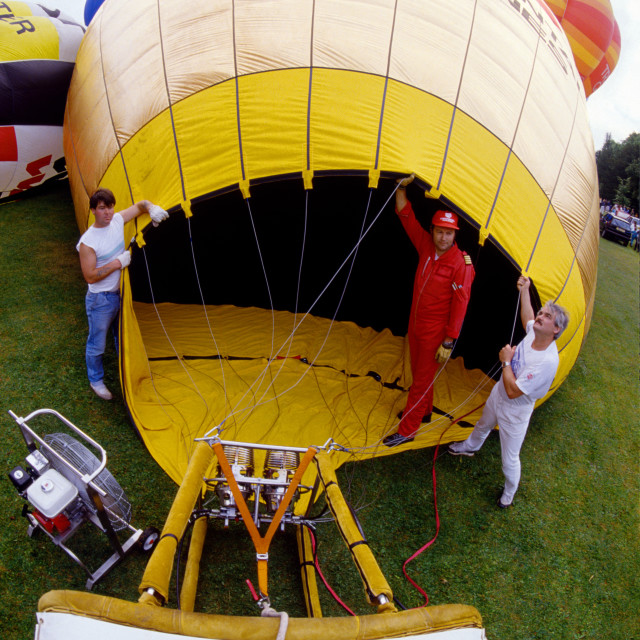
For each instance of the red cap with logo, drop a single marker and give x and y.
(445, 219)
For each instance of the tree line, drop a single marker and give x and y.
(619, 171)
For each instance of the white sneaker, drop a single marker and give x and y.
(456, 449)
(101, 390)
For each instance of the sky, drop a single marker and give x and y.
(614, 108)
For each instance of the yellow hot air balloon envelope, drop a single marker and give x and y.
(274, 301)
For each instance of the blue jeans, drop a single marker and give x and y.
(102, 311)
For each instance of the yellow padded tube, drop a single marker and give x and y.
(375, 584)
(190, 581)
(201, 625)
(158, 572)
(308, 572)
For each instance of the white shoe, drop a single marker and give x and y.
(101, 390)
(456, 449)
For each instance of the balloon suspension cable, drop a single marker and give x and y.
(264, 272)
(178, 358)
(260, 377)
(204, 307)
(263, 373)
(515, 319)
(289, 339)
(351, 255)
(302, 253)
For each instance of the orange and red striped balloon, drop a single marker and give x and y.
(607, 64)
(593, 35)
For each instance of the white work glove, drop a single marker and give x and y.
(403, 182)
(125, 259)
(443, 354)
(158, 214)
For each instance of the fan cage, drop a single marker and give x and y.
(115, 501)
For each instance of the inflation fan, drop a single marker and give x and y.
(67, 485)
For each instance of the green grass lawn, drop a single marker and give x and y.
(563, 563)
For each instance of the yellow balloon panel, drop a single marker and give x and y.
(152, 161)
(576, 201)
(414, 132)
(273, 120)
(148, 159)
(520, 233)
(571, 296)
(343, 137)
(553, 263)
(587, 258)
(28, 37)
(207, 134)
(473, 168)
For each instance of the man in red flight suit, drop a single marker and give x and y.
(441, 291)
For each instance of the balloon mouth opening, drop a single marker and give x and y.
(282, 320)
(336, 251)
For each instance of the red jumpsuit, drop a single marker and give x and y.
(441, 293)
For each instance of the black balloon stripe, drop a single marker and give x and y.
(34, 92)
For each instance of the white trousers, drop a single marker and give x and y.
(511, 439)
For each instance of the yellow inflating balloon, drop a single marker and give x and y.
(274, 301)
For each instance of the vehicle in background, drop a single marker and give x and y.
(615, 228)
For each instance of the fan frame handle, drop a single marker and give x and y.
(31, 437)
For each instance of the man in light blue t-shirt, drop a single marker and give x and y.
(528, 370)
(102, 257)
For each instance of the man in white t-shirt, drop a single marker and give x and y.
(102, 257)
(527, 373)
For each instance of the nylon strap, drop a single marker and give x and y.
(260, 543)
